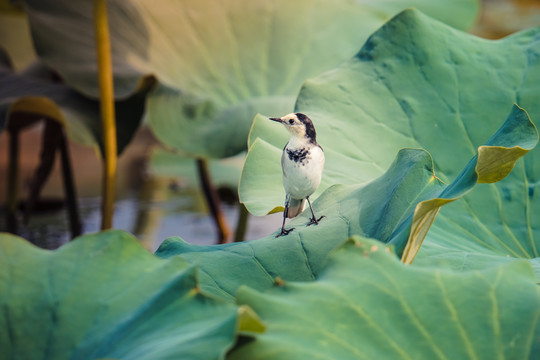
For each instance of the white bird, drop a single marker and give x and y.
(302, 163)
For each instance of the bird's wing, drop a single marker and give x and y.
(283, 158)
(295, 207)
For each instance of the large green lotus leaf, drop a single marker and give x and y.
(104, 296)
(419, 83)
(384, 209)
(365, 304)
(35, 93)
(415, 83)
(219, 63)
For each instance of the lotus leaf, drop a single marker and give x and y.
(365, 304)
(104, 296)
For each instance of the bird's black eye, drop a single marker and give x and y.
(291, 121)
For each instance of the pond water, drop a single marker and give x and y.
(150, 221)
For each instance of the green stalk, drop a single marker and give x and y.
(106, 88)
(241, 225)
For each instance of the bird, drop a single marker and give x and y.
(302, 164)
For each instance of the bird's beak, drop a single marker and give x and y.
(277, 119)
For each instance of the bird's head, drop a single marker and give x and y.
(299, 125)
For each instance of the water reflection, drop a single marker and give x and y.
(179, 213)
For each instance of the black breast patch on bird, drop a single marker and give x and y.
(298, 155)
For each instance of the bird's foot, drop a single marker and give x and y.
(315, 221)
(284, 232)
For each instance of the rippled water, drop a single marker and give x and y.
(150, 221)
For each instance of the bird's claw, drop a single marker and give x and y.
(315, 221)
(284, 232)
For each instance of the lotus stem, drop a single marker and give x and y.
(69, 187)
(241, 225)
(214, 204)
(106, 88)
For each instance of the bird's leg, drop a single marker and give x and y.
(283, 231)
(314, 219)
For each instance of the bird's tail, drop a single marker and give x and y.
(295, 207)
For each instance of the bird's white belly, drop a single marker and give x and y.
(301, 179)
